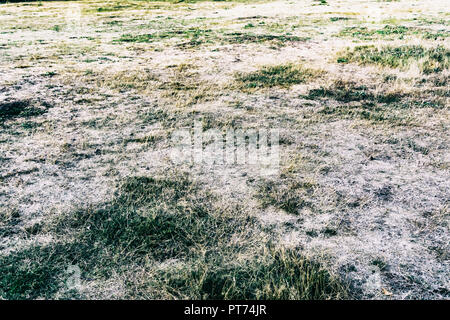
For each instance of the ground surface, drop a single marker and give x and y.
(91, 91)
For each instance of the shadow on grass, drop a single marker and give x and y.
(152, 221)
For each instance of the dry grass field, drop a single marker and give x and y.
(92, 205)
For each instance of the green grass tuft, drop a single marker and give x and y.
(272, 76)
(19, 109)
(345, 91)
(31, 273)
(275, 274)
(196, 37)
(368, 111)
(430, 60)
(288, 196)
(391, 32)
(240, 37)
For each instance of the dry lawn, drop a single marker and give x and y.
(91, 91)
